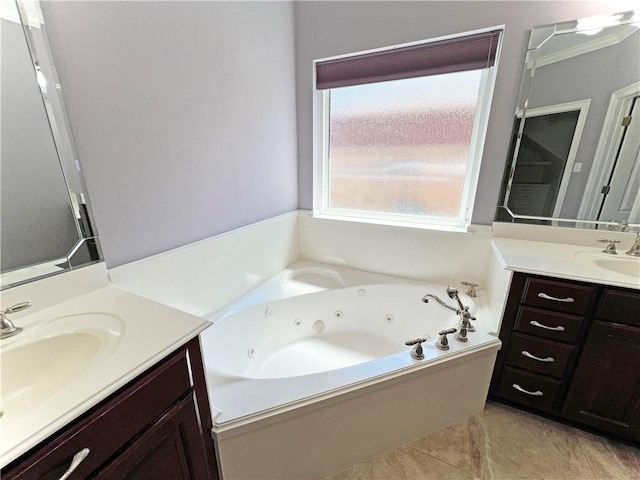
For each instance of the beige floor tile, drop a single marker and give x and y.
(503, 443)
(479, 449)
(609, 459)
(343, 475)
(450, 445)
(526, 446)
(406, 463)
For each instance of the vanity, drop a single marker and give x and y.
(570, 336)
(104, 384)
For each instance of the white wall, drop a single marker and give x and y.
(183, 114)
(325, 29)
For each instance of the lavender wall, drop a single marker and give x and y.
(324, 29)
(183, 114)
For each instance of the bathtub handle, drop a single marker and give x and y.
(546, 360)
(537, 393)
(559, 328)
(416, 351)
(555, 299)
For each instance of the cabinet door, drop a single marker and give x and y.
(171, 449)
(605, 392)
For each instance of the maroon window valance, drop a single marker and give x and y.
(471, 52)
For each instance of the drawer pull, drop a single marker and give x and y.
(549, 297)
(559, 328)
(537, 393)
(77, 460)
(545, 360)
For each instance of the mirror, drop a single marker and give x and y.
(46, 219)
(573, 158)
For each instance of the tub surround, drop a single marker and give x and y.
(134, 333)
(204, 277)
(415, 253)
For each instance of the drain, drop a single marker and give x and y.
(388, 317)
(297, 322)
(362, 292)
(268, 312)
(318, 326)
(251, 352)
(338, 314)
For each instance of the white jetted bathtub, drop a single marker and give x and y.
(310, 372)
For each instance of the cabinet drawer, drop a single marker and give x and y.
(539, 356)
(112, 425)
(529, 389)
(557, 295)
(620, 307)
(554, 326)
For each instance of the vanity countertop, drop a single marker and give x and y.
(121, 334)
(573, 262)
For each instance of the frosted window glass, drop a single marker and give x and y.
(402, 147)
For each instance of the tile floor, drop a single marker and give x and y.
(503, 443)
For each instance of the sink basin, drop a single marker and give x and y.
(621, 264)
(45, 358)
(624, 267)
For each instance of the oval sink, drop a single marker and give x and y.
(621, 264)
(45, 358)
(624, 267)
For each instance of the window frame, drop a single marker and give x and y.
(321, 113)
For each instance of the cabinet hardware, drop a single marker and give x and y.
(537, 393)
(546, 360)
(78, 458)
(549, 297)
(559, 328)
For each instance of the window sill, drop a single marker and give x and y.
(391, 222)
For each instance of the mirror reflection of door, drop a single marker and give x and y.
(546, 158)
(621, 194)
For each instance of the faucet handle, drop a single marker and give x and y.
(18, 307)
(634, 251)
(472, 292)
(611, 248)
(416, 352)
(443, 342)
(7, 328)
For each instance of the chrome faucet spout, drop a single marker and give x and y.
(426, 298)
(634, 251)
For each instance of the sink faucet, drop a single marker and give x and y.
(634, 251)
(7, 328)
(610, 249)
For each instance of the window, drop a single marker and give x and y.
(400, 131)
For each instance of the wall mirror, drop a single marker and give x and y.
(573, 159)
(47, 225)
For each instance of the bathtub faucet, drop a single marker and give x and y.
(462, 311)
(426, 298)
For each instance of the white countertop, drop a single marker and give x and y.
(146, 332)
(573, 262)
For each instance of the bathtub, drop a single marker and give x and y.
(310, 373)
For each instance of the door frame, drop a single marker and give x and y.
(606, 151)
(582, 106)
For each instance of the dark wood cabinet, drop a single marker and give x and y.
(156, 427)
(571, 350)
